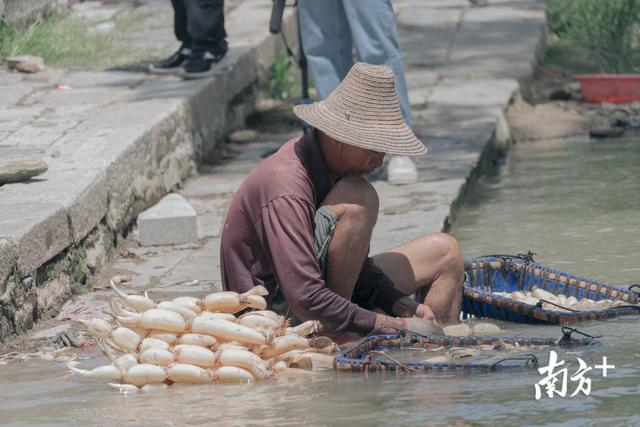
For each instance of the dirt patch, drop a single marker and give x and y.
(546, 121)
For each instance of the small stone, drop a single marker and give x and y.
(25, 63)
(560, 95)
(243, 135)
(633, 123)
(26, 283)
(618, 120)
(92, 259)
(55, 154)
(572, 87)
(17, 169)
(606, 132)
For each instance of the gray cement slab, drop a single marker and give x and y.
(418, 78)
(216, 183)
(36, 136)
(104, 79)
(480, 92)
(84, 195)
(39, 230)
(171, 221)
(148, 268)
(202, 264)
(498, 51)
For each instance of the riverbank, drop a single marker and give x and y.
(551, 106)
(582, 37)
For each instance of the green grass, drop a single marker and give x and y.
(594, 35)
(64, 41)
(284, 79)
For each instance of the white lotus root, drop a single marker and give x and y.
(201, 341)
(567, 304)
(476, 330)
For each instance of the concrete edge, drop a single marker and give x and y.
(489, 159)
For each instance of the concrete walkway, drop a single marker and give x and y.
(463, 65)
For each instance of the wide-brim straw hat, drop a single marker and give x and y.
(364, 111)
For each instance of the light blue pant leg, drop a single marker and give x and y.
(374, 32)
(326, 41)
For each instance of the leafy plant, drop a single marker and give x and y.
(595, 35)
(284, 79)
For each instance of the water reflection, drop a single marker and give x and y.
(576, 204)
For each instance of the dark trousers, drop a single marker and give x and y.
(199, 24)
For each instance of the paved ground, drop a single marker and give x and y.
(463, 65)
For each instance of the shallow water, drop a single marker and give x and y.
(576, 204)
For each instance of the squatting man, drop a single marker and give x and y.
(301, 222)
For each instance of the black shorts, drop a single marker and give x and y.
(324, 226)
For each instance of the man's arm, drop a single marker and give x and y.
(288, 243)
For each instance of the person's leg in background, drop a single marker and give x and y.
(374, 32)
(205, 25)
(373, 29)
(180, 22)
(326, 42)
(176, 60)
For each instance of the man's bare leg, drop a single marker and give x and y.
(355, 202)
(430, 264)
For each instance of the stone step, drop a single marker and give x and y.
(172, 221)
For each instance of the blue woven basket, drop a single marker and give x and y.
(505, 273)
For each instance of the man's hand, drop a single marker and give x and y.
(424, 312)
(423, 326)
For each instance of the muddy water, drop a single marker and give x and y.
(576, 204)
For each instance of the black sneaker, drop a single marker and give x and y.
(173, 63)
(200, 64)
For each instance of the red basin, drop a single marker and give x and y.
(610, 87)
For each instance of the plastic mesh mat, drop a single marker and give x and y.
(411, 353)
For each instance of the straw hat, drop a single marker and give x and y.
(364, 111)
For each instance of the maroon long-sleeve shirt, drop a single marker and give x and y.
(269, 234)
